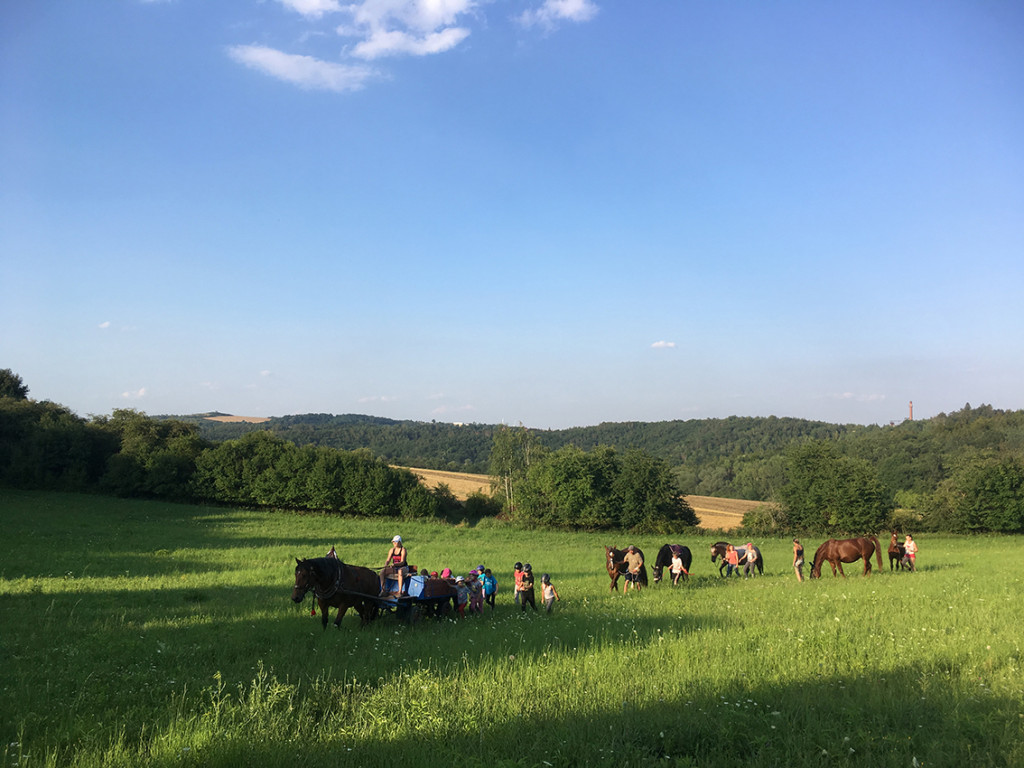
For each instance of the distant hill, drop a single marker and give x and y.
(737, 457)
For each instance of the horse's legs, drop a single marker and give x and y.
(342, 609)
(324, 608)
(838, 564)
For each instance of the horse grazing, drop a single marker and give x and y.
(897, 554)
(664, 559)
(718, 550)
(839, 551)
(337, 585)
(615, 564)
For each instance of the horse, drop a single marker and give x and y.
(839, 551)
(664, 559)
(616, 565)
(337, 585)
(718, 550)
(897, 554)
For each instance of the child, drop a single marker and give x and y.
(476, 593)
(517, 576)
(547, 592)
(526, 588)
(678, 569)
(490, 587)
(461, 595)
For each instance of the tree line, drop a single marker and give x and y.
(45, 446)
(960, 472)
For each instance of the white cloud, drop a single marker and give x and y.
(414, 27)
(105, 324)
(378, 29)
(382, 43)
(304, 71)
(312, 9)
(136, 395)
(420, 15)
(663, 345)
(551, 12)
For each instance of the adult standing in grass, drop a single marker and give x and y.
(634, 562)
(749, 560)
(396, 564)
(732, 560)
(798, 559)
(910, 546)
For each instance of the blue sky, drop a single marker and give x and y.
(553, 212)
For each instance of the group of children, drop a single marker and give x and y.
(472, 592)
(524, 588)
(481, 586)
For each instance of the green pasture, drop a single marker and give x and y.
(135, 633)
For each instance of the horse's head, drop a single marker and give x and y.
(304, 579)
(717, 550)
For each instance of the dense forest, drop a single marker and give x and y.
(962, 471)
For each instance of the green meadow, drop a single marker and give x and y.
(138, 633)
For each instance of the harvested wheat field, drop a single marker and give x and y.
(239, 419)
(713, 512)
(462, 484)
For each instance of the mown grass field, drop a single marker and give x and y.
(141, 633)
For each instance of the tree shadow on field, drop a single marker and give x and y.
(830, 720)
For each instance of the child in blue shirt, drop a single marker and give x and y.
(490, 587)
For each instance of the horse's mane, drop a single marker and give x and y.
(664, 555)
(323, 567)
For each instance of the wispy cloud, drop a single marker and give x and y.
(312, 9)
(663, 345)
(304, 71)
(138, 394)
(105, 324)
(406, 27)
(377, 29)
(552, 12)
(394, 42)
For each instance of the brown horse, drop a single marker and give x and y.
(337, 585)
(615, 564)
(839, 551)
(897, 554)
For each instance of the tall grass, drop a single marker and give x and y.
(144, 633)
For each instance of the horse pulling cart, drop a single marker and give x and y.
(336, 584)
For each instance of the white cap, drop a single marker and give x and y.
(397, 539)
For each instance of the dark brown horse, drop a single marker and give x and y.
(897, 554)
(839, 551)
(615, 564)
(664, 560)
(337, 585)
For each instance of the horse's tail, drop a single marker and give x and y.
(878, 550)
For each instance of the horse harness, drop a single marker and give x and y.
(333, 589)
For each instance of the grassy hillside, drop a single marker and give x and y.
(138, 634)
